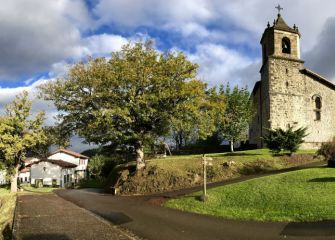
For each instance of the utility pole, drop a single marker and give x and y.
(205, 161)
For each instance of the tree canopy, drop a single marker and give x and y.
(19, 133)
(130, 98)
(196, 118)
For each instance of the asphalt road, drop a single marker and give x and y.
(151, 221)
(49, 217)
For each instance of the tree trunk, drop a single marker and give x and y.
(140, 164)
(232, 146)
(167, 148)
(13, 183)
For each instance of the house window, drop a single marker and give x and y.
(317, 107)
(286, 45)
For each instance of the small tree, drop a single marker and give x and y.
(289, 140)
(239, 110)
(96, 164)
(19, 133)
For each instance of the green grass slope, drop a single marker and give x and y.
(304, 195)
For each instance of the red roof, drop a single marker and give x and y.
(69, 152)
(60, 163)
(25, 170)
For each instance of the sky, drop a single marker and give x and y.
(40, 39)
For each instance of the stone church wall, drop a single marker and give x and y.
(292, 102)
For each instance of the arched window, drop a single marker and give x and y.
(286, 45)
(317, 107)
(318, 103)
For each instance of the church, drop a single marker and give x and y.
(288, 93)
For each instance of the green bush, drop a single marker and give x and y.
(327, 150)
(279, 140)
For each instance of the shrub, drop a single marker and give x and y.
(290, 140)
(327, 150)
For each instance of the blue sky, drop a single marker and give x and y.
(41, 39)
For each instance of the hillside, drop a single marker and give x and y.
(176, 172)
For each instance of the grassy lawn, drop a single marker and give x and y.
(7, 206)
(29, 188)
(304, 195)
(191, 163)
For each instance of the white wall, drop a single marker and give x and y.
(3, 177)
(68, 158)
(46, 171)
(24, 176)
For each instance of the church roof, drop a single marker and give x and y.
(280, 24)
(257, 85)
(318, 78)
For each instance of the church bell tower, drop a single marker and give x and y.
(276, 93)
(280, 40)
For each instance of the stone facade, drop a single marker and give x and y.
(287, 93)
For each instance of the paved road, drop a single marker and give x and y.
(49, 217)
(154, 222)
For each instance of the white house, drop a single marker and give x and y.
(78, 159)
(3, 174)
(52, 172)
(24, 174)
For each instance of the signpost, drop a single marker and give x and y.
(206, 161)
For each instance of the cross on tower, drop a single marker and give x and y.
(279, 8)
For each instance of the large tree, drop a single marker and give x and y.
(19, 134)
(127, 99)
(239, 111)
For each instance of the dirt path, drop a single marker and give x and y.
(47, 216)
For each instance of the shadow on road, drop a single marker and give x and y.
(323, 228)
(116, 218)
(50, 236)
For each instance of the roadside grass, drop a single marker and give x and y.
(304, 195)
(29, 188)
(7, 207)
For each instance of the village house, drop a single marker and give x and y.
(62, 168)
(78, 159)
(3, 177)
(24, 174)
(56, 173)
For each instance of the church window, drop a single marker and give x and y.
(318, 103)
(317, 109)
(286, 45)
(287, 84)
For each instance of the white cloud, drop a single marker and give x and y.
(128, 13)
(35, 34)
(219, 65)
(100, 45)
